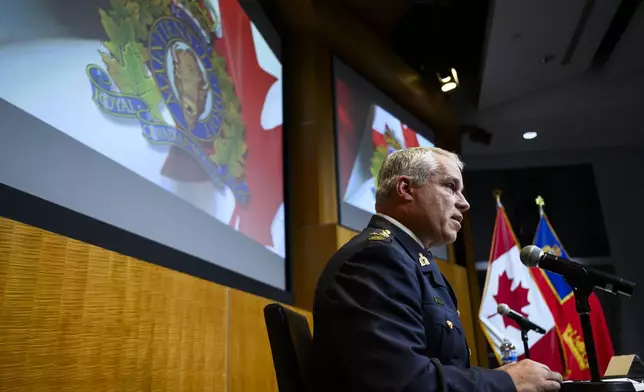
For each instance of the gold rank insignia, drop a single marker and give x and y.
(450, 325)
(423, 260)
(382, 235)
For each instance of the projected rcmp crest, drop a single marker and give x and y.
(159, 57)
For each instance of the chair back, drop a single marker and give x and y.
(290, 339)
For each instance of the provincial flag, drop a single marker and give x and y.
(509, 281)
(560, 299)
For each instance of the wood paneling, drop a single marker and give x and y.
(314, 246)
(308, 97)
(480, 341)
(76, 317)
(343, 236)
(251, 363)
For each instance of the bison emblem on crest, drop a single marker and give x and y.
(191, 85)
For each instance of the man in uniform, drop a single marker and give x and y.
(385, 318)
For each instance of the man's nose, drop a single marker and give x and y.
(462, 203)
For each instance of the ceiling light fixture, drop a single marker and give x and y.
(529, 135)
(449, 82)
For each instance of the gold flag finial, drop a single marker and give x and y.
(497, 195)
(540, 202)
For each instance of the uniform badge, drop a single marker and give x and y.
(423, 260)
(449, 324)
(382, 235)
(439, 301)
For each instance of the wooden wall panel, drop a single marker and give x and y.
(308, 101)
(316, 245)
(251, 363)
(343, 236)
(80, 318)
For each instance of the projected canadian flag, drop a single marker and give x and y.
(388, 130)
(510, 282)
(257, 80)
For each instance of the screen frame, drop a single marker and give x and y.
(386, 102)
(31, 210)
(26, 208)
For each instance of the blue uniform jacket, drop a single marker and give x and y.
(385, 319)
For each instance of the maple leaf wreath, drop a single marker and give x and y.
(127, 26)
(381, 152)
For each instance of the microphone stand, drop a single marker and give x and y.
(582, 288)
(524, 338)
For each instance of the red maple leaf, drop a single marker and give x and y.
(516, 299)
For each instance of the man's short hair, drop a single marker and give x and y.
(419, 163)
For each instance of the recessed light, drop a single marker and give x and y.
(449, 86)
(529, 135)
(449, 82)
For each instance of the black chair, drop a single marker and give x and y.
(290, 339)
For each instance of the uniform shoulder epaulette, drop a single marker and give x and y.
(381, 235)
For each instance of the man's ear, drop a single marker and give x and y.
(404, 188)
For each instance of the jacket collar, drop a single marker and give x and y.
(411, 246)
(402, 227)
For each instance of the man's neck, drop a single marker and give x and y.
(402, 227)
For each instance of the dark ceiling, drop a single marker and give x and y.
(429, 35)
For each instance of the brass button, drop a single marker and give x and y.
(459, 313)
(450, 325)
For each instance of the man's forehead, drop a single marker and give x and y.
(449, 168)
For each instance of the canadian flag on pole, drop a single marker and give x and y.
(508, 281)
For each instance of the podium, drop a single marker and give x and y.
(601, 386)
(582, 288)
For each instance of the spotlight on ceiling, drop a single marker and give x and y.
(448, 82)
(529, 135)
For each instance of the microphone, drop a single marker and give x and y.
(523, 322)
(532, 256)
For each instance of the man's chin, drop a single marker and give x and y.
(450, 237)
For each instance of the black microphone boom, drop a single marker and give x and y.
(532, 256)
(523, 322)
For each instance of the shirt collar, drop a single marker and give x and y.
(402, 227)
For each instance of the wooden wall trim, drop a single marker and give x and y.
(309, 120)
(317, 245)
(474, 291)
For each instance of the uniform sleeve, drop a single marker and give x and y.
(379, 330)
